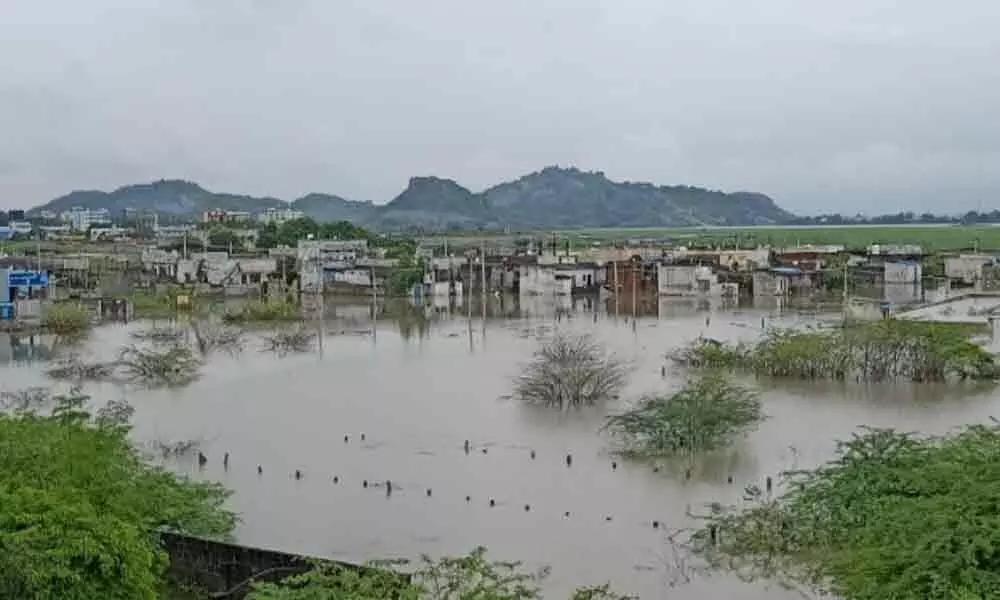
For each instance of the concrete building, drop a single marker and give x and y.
(967, 269)
(277, 216)
(902, 272)
(82, 219)
(538, 280)
(217, 215)
(22, 293)
(688, 280)
(780, 281)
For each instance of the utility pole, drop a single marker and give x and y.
(482, 276)
(617, 296)
(845, 283)
(371, 273)
(634, 284)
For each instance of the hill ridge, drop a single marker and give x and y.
(552, 197)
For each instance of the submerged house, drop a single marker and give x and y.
(637, 276)
(780, 281)
(691, 280)
(559, 276)
(968, 269)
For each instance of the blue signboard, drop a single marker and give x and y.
(21, 279)
(6, 306)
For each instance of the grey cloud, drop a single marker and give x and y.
(855, 105)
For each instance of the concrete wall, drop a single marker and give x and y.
(902, 272)
(220, 567)
(687, 280)
(264, 266)
(358, 277)
(676, 280)
(965, 268)
(766, 283)
(539, 281)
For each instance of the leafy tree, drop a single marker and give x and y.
(290, 232)
(706, 414)
(267, 236)
(342, 230)
(893, 516)
(80, 508)
(222, 237)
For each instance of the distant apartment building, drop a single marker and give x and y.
(20, 227)
(82, 219)
(217, 215)
(278, 216)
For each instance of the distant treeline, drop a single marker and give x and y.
(901, 218)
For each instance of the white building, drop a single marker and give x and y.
(21, 227)
(278, 216)
(967, 268)
(688, 280)
(82, 219)
(903, 272)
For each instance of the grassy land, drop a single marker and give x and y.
(933, 238)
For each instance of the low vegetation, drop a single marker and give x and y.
(76, 369)
(65, 319)
(297, 339)
(165, 335)
(571, 371)
(707, 414)
(79, 507)
(471, 577)
(887, 350)
(159, 302)
(210, 337)
(894, 515)
(255, 311)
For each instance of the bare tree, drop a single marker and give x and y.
(571, 371)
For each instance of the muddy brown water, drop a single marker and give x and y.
(418, 397)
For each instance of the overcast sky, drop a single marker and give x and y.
(847, 105)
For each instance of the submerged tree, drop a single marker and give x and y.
(888, 350)
(63, 319)
(893, 516)
(170, 366)
(79, 507)
(295, 339)
(75, 369)
(706, 414)
(571, 371)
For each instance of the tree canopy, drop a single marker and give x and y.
(290, 232)
(893, 516)
(80, 507)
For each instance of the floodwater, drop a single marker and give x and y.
(422, 385)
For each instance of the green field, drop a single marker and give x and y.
(932, 238)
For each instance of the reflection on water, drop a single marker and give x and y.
(432, 377)
(26, 349)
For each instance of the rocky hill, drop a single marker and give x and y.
(553, 198)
